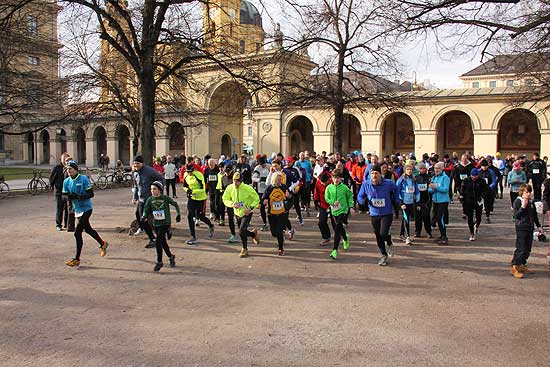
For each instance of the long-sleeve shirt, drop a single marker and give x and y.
(339, 197)
(515, 179)
(159, 206)
(381, 198)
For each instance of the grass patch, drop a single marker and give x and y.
(14, 173)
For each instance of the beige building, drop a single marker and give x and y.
(224, 117)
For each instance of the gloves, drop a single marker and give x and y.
(189, 193)
(178, 218)
(356, 179)
(72, 196)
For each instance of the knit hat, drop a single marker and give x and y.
(376, 168)
(189, 167)
(474, 172)
(516, 166)
(159, 185)
(72, 164)
(484, 162)
(138, 158)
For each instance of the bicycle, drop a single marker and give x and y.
(4, 188)
(120, 177)
(37, 183)
(100, 182)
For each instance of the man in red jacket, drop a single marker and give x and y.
(324, 207)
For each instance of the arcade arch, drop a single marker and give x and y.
(300, 135)
(518, 132)
(45, 140)
(123, 141)
(30, 146)
(351, 134)
(397, 133)
(454, 133)
(100, 137)
(80, 137)
(226, 145)
(176, 134)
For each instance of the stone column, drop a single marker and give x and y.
(25, 149)
(91, 153)
(371, 141)
(71, 146)
(544, 142)
(284, 143)
(162, 144)
(485, 142)
(38, 150)
(425, 141)
(55, 153)
(112, 150)
(322, 141)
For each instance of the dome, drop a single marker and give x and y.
(249, 14)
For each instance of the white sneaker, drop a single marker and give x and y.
(408, 241)
(138, 232)
(472, 238)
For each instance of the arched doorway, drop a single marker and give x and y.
(398, 134)
(226, 111)
(62, 139)
(519, 132)
(454, 133)
(351, 135)
(45, 140)
(226, 146)
(123, 136)
(30, 147)
(100, 136)
(300, 135)
(176, 133)
(80, 137)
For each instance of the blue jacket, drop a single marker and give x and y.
(516, 179)
(441, 193)
(489, 174)
(379, 197)
(408, 190)
(306, 165)
(143, 180)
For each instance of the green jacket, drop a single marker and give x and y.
(340, 198)
(245, 195)
(160, 208)
(195, 183)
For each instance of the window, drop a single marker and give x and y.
(2, 143)
(509, 83)
(475, 85)
(241, 46)
(493, 84)
(249, 130)
(33, 60)
(32, 25)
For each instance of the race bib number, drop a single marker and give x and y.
(239, 204)
(422, 187)
(379, 203)
(336, 205)
(463, 176)
(277, 206)
(536, 171)
(409, 189)
(78, 214)
(486, 180)
(158, 214)
(212, 178)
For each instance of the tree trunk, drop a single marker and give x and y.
(339, 128)
(147, 118)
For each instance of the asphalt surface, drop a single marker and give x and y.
(433, 306)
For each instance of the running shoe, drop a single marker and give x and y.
(158, 266)
(265, 227)
(232, 239)
(389, 248)
(221, 223)
(472, 238)
(324, 242)
(430, 235)
(244, 252)
(256, 238)
(211, 216)
(317, 215)
(152, 243)
(443, 242)
(346, 243)
(402, 237)
(173, 261)
(72, 262)
(211, 232)
(104, 247)
(383, 261)
(417, 235)
(281, 253)
(408, 241)
(58, 228)
(301, 221)
(191, 241)
(333, 255)
(138, 232)
(291, 234)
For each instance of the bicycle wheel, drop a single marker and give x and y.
(102, 182)
(4, 190)
(30, 185)
(127, 180)
(34, 187)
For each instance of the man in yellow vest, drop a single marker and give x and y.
(243, 199)
(193, 185)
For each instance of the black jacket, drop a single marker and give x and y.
(525, 218)
(536, 170)
(472, 192)
(57, 176)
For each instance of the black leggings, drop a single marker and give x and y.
(195, 209)
(305, 194)
(440, 216)
(170, 182)
(262, 210)
(84, 225)
(243, 223)
(277, 224)
(422, 216)
(296, 201)
(513, 197)
(161, 242)
(214, 205)
(382, 226)
(405, 224)
(339, 230)
(144, 225)
(470, 210)
(323, 223)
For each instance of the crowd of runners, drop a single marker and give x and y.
(415, 192)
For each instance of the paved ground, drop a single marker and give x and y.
(433, 306)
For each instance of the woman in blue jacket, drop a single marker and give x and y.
(408, 196)
(439, 188)
(381, 195)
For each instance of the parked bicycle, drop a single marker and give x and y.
(4, 188)
(120, 177)
(37, 183)
(101, 181)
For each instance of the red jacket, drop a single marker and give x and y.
(319, 194)
(159, 168)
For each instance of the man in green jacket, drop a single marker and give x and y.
(243, 199)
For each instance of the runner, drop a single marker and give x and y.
(472, 196)
(224, 180)
(243, 199)
(305, 191)
(340, 199)
(423, 206)
(293, 182)
(274, 198)
(259, 177)
(56, 181)
(211, 174)
(501, 166)
(439, 188)
(525, 218)
(78, 189)
(381, 195)
(170, 176)
(194, 186)
(144, 176)
(491, 179)
(158, 206)
(357, 174)
(461, 171)
(516, 178)
(536, 172)
(324, 208)
(408, 196)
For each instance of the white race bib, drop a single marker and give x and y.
(422, 187)
(536, 171)
(486, 180)
(409, 189)
(158, 214)
(212, 178)
(277, 205)
(78, 214)
(463, 176)
(379, 203)
(336, 205)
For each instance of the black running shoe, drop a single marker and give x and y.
(173, 261)
(151, 244)
(157, 266)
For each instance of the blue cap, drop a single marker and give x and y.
(475, 172)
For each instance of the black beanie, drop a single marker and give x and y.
(138, 158)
